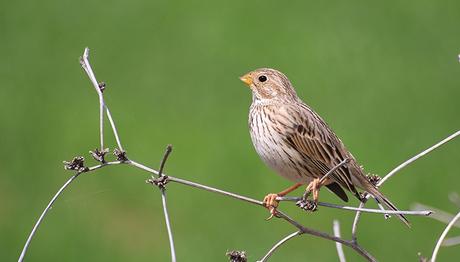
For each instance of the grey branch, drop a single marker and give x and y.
(163, 200)
(394, 171)
(50, 205)
(339, 247)
(443, 235)
(421, 212)
(84, 62)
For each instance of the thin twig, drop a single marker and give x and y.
(421, 212)
(438, 214)
(414, 158)
(163, 200)
(339, 247)
(321, 181)
(40, 219)
(114, 128)
(168, 225)
(443, 235)
(394, 171)
(278, 244)
(349, 243)
(50, 205)
(89, 71)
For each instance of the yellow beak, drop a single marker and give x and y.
(246, 79)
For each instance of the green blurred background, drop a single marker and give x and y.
(384, 75)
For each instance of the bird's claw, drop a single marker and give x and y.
(271, 203)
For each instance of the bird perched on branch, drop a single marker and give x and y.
(294, 141)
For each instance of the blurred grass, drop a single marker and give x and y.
(384, 75)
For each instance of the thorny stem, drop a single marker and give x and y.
(443, 235)
(394, 171)
(336, 229)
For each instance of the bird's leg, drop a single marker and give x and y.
(312, 188)
(271, 203)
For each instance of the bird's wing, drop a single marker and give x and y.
(318, 144)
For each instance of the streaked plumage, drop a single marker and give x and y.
(296, 142)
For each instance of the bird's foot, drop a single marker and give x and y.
(307, 205)
(271, 203)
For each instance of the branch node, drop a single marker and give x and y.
(120, 155)
(77, 164)
(99, 155)
(236, 256)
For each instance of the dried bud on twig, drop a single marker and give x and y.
(374, 179)
(120, 154)
(237, 256)
(307, 205)
(102, 86)
(99, 155)
(160, 182)
(77, 164)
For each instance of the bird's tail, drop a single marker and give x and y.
(386, 203)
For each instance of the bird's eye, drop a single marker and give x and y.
(262, 78)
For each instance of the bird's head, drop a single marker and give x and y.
(269, 85)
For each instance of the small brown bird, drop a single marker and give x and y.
(294, 141)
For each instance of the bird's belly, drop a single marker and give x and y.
(280, 158)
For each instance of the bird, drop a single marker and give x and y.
(295, 142)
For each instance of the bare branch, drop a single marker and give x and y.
(84, 61)
(422, 212)
(277, 245)
(163, 198)
(443, 235)
(321, 181)
(394, 171)
(336, 229)
(40, 219)
(168, 225)
(50, 204)
(414, 158)
(89, 71)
